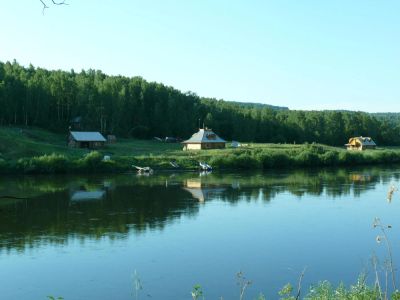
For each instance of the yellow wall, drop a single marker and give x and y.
(204, 146)
(192, 147)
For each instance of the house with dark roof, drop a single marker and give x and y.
(205, 138)
(360, 143)
(86, 139)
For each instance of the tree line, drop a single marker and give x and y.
(133, 107)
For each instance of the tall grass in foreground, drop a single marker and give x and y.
(324, 290)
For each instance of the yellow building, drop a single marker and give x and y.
(205, 138)
(360, 143)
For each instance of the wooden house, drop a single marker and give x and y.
(360, 143)
(85, 139)
(205, 138)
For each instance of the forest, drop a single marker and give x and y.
(134, 107)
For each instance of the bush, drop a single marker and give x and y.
(246, 161)
(280, 159)
(91, 162)
(350, 158)
(387, 156)
(307, 158)
(314, 148)
(265, 159)
(271, 159)
(53, 163)
(330, 158)
(243, 160)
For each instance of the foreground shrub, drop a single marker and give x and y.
(359, 291)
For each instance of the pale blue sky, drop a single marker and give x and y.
(305, 54)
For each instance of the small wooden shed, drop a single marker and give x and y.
(86, 139)
(360, 143)
(111, 139)
(205, 138)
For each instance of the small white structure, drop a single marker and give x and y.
(143, 170)
(204, 166)
(235, 144)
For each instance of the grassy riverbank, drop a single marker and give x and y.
(38, 151)
(323, 290)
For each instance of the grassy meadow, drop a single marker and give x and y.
(33, 150)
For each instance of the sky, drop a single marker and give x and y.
(303, 54)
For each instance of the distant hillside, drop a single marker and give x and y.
(258, 105)
(391, 117)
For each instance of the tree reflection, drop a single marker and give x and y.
(62, 207)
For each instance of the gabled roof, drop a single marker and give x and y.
(87, 136)
(204, 136)
(367, 141)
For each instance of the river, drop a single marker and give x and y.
(155, 237)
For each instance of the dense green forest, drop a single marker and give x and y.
(133, 107)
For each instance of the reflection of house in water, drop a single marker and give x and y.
(360, 177)
(202, 191)
(87, 195)
(88, 192)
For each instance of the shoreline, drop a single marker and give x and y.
(306, 157)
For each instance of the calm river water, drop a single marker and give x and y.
(85, 237)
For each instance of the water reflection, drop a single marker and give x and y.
(87, 195)
(63, 207)
(201, 190)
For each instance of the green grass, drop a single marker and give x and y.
(324, 290)
(18, 142)
(35, 150)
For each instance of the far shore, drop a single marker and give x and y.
(37, 151)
